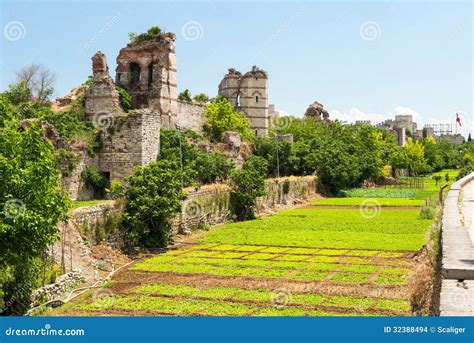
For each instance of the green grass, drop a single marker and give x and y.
(409, 193)
(389, 230)
(188, 300)
(85, 203)
(357, 201)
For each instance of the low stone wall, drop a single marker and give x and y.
(211, 204)
(65, 283)
(84, 229)
(457, 289)
(457, 246)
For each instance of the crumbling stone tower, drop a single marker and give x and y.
(230, 86)
(147, 70)
(249, 94)
(102, 98)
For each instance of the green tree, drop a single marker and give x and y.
(201, 97)
(415, 157)
(212, 167)
(154, 196)
(32, 205)
(248, 184)
(222, 117)
(185, 96)
(276, 152)
(18, 93)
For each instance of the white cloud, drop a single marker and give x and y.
(356, 114)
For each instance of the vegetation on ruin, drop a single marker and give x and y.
(185, 96)
(125, 99)
(222, 117)
(202, 98)
(154, 33)
(199, 167)
(94, 179)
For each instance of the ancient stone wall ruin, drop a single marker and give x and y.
(249, 94)
(148, 72)
(211, 204)
(146, 69)
(129, 141)
(73, 183)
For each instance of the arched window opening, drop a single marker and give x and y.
(256, 98)
(134, 73)
(150, 74)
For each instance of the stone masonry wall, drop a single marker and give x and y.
(73, 249)
(191, 115)
(211, 204)
(130, 141)
(73, 184)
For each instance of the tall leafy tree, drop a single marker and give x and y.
(31, 206)
(154, 196)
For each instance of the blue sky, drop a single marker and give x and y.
(362, 60)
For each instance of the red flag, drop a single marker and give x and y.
(458, 119)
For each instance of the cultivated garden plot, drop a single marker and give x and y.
(314, 261)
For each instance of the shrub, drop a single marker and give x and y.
(247, 184)
(185, 96)
(286, 187)
(125, 99)
(213, 167)
(154, 196)
(201, 97)
(94, 179)
(427, 212)
(198, 166)
(117, 190)
(153, 33)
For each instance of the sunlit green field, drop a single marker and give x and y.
(358, 201)
(310, 261)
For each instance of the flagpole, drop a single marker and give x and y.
(456, 125)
